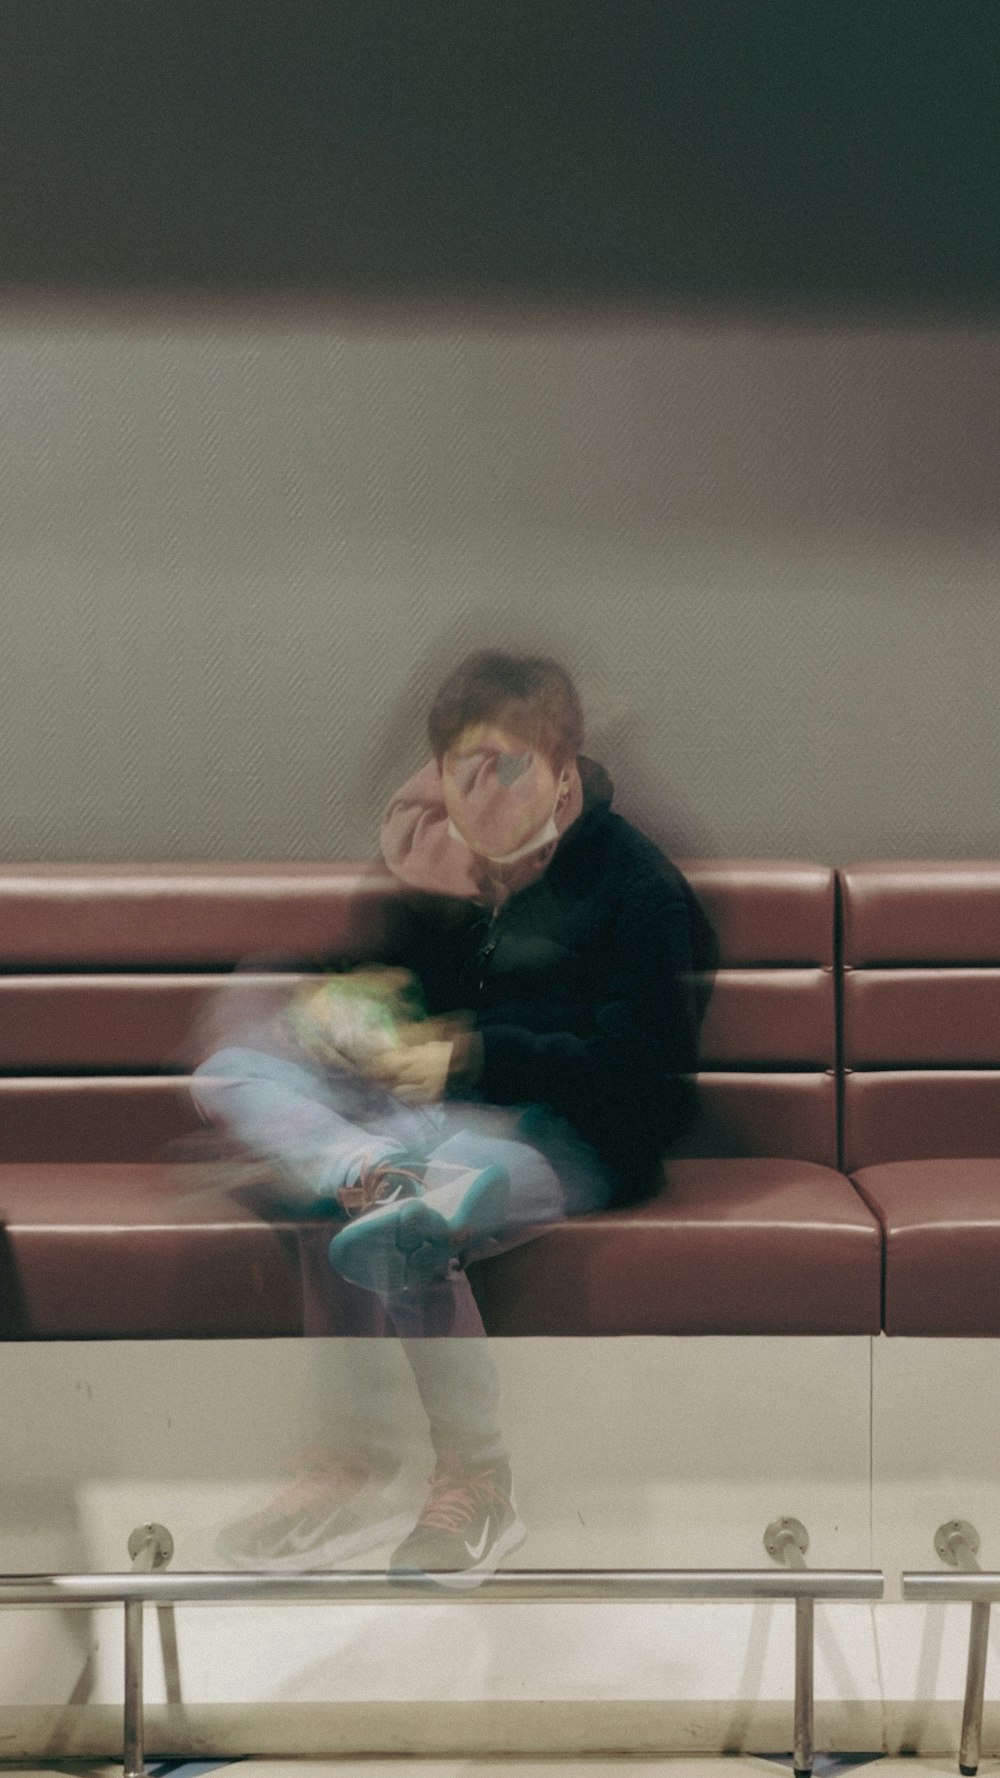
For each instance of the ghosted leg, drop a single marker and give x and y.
(308, 1120)
(446, 1347)
(440, 1327)
(320, 1125)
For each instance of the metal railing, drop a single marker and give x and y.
(786, 1541)
(143, 1586)
(957, 1543)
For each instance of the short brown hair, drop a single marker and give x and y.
(530, 693)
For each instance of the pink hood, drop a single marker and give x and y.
(421, 847)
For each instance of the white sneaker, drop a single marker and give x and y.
(469, 1522)
(408, 1244)
(331, 1510)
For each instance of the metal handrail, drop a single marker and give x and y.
(511, 1586)
(508, 1586)
(972, 1585)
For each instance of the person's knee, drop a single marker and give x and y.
(219, 1071)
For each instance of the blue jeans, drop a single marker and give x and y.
(321, 1123)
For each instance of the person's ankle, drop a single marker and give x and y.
(469, 1460)
(412, 1159)
(365, 1464)
(370, 1182)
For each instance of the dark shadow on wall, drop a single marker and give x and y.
(842, 155)
(651, 800)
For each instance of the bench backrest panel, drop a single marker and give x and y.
(105, 971)
(921, 1010)
(768, 1082)
(189, 916)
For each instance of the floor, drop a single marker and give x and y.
(701, 1766)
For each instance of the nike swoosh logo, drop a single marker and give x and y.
(481, 1545)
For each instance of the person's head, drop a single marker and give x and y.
(505, 730)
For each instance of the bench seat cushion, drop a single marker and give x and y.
(118, 1250)
(728, 1246)
(942, 1244)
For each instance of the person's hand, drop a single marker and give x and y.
(415, 1072)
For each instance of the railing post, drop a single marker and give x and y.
(975, 1690)
(134, 1757)
(803, 1754)
(786, 1541)
(150, 1547)
(957, 1543)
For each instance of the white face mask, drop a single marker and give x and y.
(544, 837)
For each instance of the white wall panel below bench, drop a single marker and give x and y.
(638, 1452)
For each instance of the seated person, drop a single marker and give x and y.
(531, 1062)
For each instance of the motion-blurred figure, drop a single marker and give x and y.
(525, 1055)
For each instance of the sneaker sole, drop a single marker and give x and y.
(457, 1578)
(404, 1247)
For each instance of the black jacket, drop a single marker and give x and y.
(577, 987)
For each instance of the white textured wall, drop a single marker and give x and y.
(237, 551)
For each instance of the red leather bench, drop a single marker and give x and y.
(921, 1024)
(104, 969)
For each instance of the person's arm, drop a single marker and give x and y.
(643, 1029)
